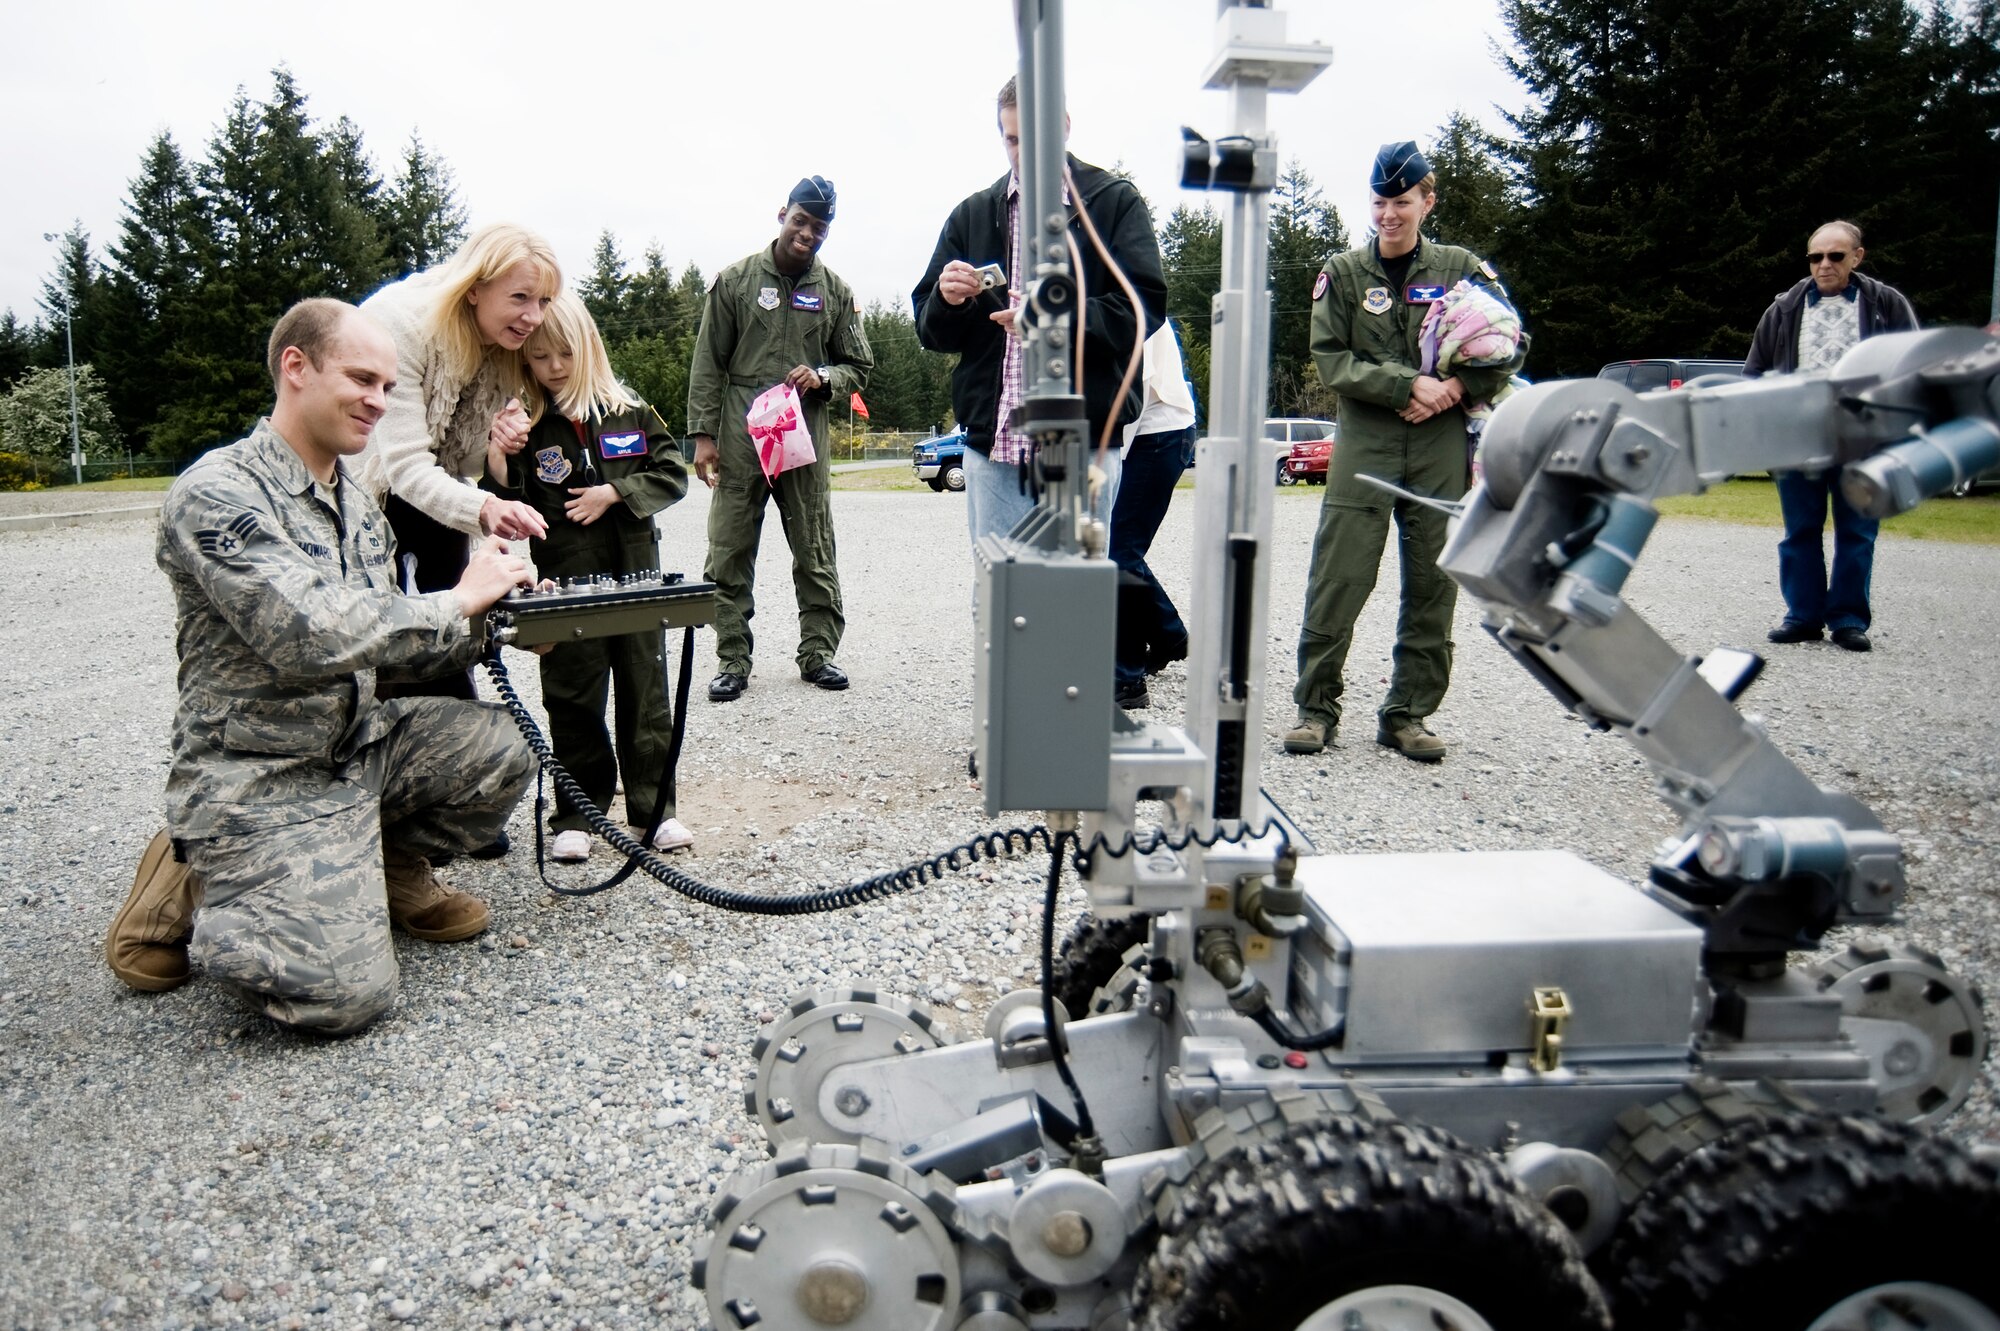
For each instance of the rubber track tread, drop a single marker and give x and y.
(1090, 957)
(1275, 1226)
(1780, 1220)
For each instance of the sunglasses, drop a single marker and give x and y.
(1831, 256)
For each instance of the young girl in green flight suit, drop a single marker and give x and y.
(597, 464)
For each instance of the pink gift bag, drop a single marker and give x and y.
(778, 431)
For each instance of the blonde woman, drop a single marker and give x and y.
(596, 465)
(459, 329)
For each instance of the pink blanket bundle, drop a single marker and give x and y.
(1469, 327)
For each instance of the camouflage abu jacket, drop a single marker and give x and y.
(286, 606)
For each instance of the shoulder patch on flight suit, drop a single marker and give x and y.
(857, 304)
(624, 444)
(551, 466)
(1321, 283)
(1376, 300)
(767, 297)
(1487, 269)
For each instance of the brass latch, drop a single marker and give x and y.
(1550, 1009)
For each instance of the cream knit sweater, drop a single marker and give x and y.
(430, 446)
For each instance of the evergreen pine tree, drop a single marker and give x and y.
(17, 348)
(426, 221)
(152, 288)
(1474, 195)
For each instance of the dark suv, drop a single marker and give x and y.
(1641, 375)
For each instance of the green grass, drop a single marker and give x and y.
(1753, 501)
(154, 483)
(880, 480)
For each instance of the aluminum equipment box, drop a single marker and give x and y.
(1435, 957)
(1047, 626)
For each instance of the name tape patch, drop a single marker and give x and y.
(808, 300)
(1422, 295)
(629, 444)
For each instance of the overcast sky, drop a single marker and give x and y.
(687, 123)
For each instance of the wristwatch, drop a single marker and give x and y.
(825, 373)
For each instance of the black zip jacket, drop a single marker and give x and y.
(1775, 348)
(976, 232)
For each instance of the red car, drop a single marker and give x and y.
(1306, 463)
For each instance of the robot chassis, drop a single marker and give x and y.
(1376, 1092)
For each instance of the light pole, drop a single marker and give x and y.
(69, 341)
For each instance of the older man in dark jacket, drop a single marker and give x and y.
(954, 314)
(1810, 327)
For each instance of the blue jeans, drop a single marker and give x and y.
(1149, 625)
(1810, 599)
(996, 499)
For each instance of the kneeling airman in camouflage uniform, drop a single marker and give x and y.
(304, 805)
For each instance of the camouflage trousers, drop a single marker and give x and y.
(296, 917)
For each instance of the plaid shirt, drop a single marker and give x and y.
(1009, 444)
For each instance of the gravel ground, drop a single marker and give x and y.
(24, 503)
(531, 1138)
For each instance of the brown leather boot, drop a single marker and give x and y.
(147, 945)
(424, 906)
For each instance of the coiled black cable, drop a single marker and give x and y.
(998, 844)
(1084, 1127)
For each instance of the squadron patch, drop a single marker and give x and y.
(225, 542)
(1376, 300)
(627, 444)
(808, 300)
(767, 297)
(1320, 284)
(551, 466)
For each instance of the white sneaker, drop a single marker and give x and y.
(571, 847)
(673, 835)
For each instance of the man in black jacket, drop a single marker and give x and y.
(1810, 327)
(954, 315)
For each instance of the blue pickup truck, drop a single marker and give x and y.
(940, 462)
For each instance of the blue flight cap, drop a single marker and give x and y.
(1398, 168)
(815, 195)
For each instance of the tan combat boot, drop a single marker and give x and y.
(1308, 737)
(1412, 739)
(148, 943)
(423, 906)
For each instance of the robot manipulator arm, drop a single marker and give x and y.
(1767, 860)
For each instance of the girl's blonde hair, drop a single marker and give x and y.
(568, 330)
(491, 251)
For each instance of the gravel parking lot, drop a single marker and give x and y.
(532, 1137)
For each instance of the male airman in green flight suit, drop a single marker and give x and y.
(778, 316)
(1404, 427)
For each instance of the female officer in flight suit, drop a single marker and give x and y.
(597, 464)
(1399, 425)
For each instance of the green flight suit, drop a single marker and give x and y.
(633, 453)
(1365, 345)
(757, 325)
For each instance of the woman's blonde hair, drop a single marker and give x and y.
(593, 387)
(490, 252)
